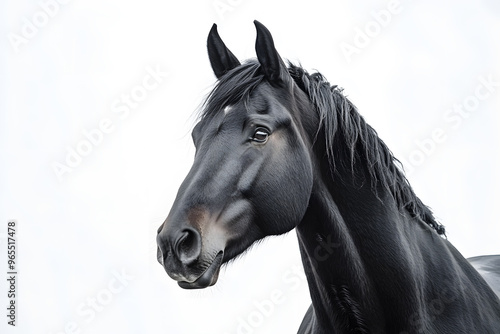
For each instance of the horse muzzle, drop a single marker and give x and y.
(183, 259)
(208, 277)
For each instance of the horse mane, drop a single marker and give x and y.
(339, 119)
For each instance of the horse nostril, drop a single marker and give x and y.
(188, 246)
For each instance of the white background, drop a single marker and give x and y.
(77, 231)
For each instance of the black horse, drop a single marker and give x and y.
(278, 148)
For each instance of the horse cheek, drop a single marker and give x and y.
(290, 187)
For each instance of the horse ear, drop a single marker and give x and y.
(221, 59)
(273, 66)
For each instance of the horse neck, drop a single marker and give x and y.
(369, 263)
(336, 240)
(356, 247)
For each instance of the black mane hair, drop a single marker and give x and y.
(339, 118)
(234, 86)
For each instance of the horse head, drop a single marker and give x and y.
(252, 173)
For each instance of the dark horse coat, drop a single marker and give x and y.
(278, 148)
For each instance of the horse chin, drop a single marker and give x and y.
(209, 276)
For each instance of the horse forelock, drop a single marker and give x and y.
(233, 87)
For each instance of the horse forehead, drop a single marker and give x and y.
(227, 109)
(260, 101)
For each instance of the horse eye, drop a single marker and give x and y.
(260, 135)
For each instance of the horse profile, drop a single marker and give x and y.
(278, 148)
